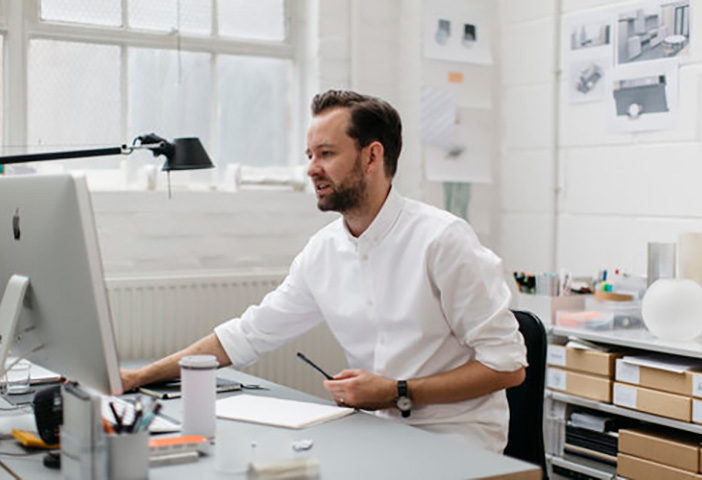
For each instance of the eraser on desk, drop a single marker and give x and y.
(173, 459)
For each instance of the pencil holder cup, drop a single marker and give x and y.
(128, 456)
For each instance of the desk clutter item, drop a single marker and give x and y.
(128, 455)
(171, 389)
(278, 412)
(198, 387)
(30, 440)
(126, 410)
(304, 468)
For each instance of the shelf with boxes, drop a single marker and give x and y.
(619, 377)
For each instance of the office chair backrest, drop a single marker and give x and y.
(526, 401)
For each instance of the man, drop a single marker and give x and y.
(418, 305)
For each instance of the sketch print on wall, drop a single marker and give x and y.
(588, 80)
(455, 32)
(644, 97)
(653, 31)
(587, 46)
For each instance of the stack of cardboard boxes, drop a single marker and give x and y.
(587, 373)
(651, 453)
(656, 384)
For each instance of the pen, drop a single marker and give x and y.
(312, 364)
(118, 418)
(148, 418)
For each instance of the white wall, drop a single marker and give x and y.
(527, 127)
(615, 192)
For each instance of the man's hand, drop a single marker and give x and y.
(362, 389)
(130, 379)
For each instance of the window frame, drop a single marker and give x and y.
(23, 20)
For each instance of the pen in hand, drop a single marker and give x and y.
(313, 365)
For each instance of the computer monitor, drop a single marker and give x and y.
(55, 309)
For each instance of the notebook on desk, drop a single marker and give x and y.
(171, 389)
(278, 412)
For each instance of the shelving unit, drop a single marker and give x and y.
(625, 412)
(557, 402)
(583, 465)
(635, 338)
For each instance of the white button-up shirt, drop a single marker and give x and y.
(414, 295)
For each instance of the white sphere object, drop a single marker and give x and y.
(672, 309)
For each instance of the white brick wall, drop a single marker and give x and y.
(618, 191)
(146, 233)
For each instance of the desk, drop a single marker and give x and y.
(359, 446)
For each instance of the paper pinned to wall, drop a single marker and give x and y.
(455, 31)
(587, 50)
(470, 157)
(439, 111)
(643, 96)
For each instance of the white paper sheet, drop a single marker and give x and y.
(276, 411)
(630, 108)
(439, 112)
(470, 160)
(663, 362)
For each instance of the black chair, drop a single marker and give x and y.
(526, 401)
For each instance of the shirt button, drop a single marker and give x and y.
(381, 340)
(364, 258)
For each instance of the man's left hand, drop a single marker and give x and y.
(362, 389)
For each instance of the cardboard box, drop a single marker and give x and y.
(697, 412)
(583, 385)
(665, 404)
(675, 449)
(697, 384)
(635, 468)
(680, 383)
(585, 361)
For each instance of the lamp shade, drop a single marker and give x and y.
(672, 309)
(188, 154)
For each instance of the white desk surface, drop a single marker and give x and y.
(359, 446)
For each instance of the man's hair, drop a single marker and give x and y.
(372, 119)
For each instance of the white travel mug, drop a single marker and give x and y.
(198, 389)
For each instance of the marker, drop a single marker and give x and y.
(312, 364)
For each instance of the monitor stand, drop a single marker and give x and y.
(10, 309)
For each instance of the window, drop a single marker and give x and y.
(101, 72)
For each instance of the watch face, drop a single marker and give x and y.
(404, 403)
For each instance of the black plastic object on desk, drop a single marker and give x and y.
(171, 389)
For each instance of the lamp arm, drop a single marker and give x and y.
(37, 157)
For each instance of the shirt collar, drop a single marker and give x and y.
(382, 222)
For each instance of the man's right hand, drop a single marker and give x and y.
(130, 379)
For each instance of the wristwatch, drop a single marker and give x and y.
(403, 402)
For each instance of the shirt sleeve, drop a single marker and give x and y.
(285, 313)
(475, 298)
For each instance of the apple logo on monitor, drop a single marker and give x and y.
(16, 225)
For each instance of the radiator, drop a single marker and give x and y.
(155, 316)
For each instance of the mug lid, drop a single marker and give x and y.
(199, 362)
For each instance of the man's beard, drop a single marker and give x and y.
(348, 194)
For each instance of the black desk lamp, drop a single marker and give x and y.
(182, 154)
